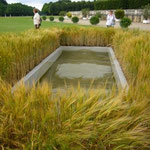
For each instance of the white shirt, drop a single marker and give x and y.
(110, 20)
(36, 19)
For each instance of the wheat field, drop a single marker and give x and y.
(78, 119)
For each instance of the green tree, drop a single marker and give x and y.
(3, 2)
(135, 4)
(3, 6)
(54, 8)
(19, 9)
(85, 12)
(2, 9)
(147, 12)
(46, 9)
(119, 4)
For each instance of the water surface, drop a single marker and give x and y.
(84, 67)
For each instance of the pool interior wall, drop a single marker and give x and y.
(39, 71)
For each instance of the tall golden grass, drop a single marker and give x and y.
(93, 120)
(133, 51)
(37, 119)
(20, 53)
(86, 36)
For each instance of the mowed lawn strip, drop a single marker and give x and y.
(19, 24)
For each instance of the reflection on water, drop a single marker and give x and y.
(83, 70)
(83, 67)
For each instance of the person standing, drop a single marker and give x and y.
(110, 19)
(36, 19)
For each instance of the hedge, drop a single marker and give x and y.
(135, 4)
(118, 4)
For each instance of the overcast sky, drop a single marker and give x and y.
(35, 3)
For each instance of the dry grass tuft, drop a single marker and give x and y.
(21, 53)
(37, 119)
(86, 36)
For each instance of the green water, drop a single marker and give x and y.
(80, 67)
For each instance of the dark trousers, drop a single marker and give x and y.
(110, 26)
(37, 26)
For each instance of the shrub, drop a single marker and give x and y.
(69, 15)
(44, 18)
(94, 20)
(125, 22)
(98, 14)
(51, 18)
(146, 12)
(75, 19)
(61, 19)
(119, 13)
(85, 12)
(62, 13)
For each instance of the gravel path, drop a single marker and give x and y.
(103, 24)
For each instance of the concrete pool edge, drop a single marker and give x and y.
(37, 72)
(117, 70)
(34, 75)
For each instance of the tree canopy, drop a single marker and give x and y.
(3, 2)
(54, 8)
(16, 9)
(19, 9)
(117, 4)
(3, 6)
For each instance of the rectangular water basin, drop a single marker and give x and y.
(82, 67)
(71, 65)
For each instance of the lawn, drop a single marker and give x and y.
(18, 24)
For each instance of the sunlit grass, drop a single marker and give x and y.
(76, 119)
(133, 51)
(35, 119)
(72, 36)
(20, 24)
(20, 53)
